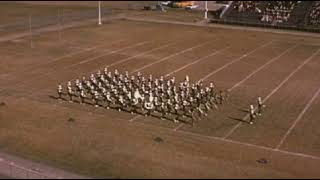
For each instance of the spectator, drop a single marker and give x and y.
(246, 6)
(278, 11)
(314, 16)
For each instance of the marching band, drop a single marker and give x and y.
(147, 96)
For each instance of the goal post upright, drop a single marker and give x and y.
(206, 10)
(99, 21)
(30, 30)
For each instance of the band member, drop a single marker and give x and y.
(106, 71)
(164, 110)
(108, 99)
(59, 91)
(82, 96)
(70, 93)
(176, 112)
(220, 97)
(252, 114)
(121, 103)
(184, 100)
(149, 106)
(96, 99)
(260, 106)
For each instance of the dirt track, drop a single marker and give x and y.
(105, 143)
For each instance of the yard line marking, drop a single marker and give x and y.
(196, 61)
(67, 67)
(221, 139)
(141, 54)
(170, 56)
(81, 51)
(71, 54)
(233, 142)
(90, 59)
(250, 75)
(134, 118)
(178, 127)
(292, 73)
(261, 67)
(232, 130)
(113, 52)
(226, 65)
(275, 90)
(235, 60)
(251, 145)
(298, 119)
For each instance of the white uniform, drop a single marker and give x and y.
(60, 91)
(260, 106)
(252, 114)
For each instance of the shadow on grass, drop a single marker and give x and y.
(116, 108)
(238, 119)
(243, 110)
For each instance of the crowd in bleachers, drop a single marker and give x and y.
(278, 11)
(284, 14)
(246, 6)
(314, 16)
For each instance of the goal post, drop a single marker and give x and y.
(99, 11)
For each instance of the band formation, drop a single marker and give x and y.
(163, 98)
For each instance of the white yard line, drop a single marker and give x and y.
(72, 54)
(60, 58)
(178, 127)
(275, 90)
(82, 51)
(141, 54)
(170, 56)
(162, 59)
(232, 130)
(17, 166)
(197, 61)
(134, 118)
(218, 139)
(251, 145)
(295, 154)
(226, 65)
(111, 52)
(291, 74)
(233, 142)
(261, 67)
(235, 60)
(298, 119)
(250, 75)
(122, 60)
(87, 60)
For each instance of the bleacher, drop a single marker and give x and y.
(313, 15)
(300, 15)
(245, 10)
